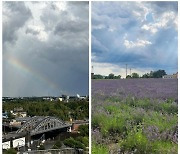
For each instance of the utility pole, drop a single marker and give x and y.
(126, 70)
(130, 71)
(92, 70)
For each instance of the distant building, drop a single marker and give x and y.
(174, 76)
(65, 98)
(60, 99)
(48, 98)
(18, 109)
(22, 120)
(5, 115)
(77, 123)
(13, 140)
(168, 77)
(81, 97)
(15, 123)
(19, 112)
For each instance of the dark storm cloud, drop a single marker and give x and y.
(15, 14)
(54, 48)
(71, 27)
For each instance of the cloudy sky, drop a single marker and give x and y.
(45, 48)
(143, 35)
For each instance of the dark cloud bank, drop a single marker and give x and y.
(45, 56)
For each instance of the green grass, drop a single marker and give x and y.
(164, 147)
(127, 120)
(99, 149)
(135, 140)
(162, 121)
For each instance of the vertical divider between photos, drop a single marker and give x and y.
(90, 77)
(1, 49)
(178, 79)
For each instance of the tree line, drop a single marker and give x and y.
(77, 110)
(110, 76)
(152, 74)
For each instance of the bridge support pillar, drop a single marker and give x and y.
(11, 142)
(28, 140)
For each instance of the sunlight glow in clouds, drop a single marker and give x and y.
(140, 34)
(138, 43)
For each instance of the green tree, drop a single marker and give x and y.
(159, 74)
(84, 130)
(10, 116)
(147, 75)
(128, 77)
(79, 109)
(97, 76)
(151, 74)
(117, 77)
(10, 151)
(71, 142)
(111, 76)
(135, 75)
(57, 145)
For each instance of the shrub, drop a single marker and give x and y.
(83, 140)
(84, 130)
(164, 147)
(71, 142)
(99, 149)
(135, 141)
(57, 145)
(10, 151)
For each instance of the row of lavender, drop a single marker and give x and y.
(140, 88)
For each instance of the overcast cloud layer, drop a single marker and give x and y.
(45, 48)
(143, 35)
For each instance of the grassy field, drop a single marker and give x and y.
(143, 120)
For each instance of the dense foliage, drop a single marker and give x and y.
(110, 76)
(78, 109)
(84, 130)
(57, 145)
(79, 142)
(97, 76)
(155, 74)
(152, 74)
(10, 151)
(124, 121)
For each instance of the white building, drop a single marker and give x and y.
(174, 76)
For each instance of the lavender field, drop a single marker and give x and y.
(135, 116)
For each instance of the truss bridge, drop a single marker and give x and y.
(42, 124)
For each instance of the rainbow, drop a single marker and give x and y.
(14, 62)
